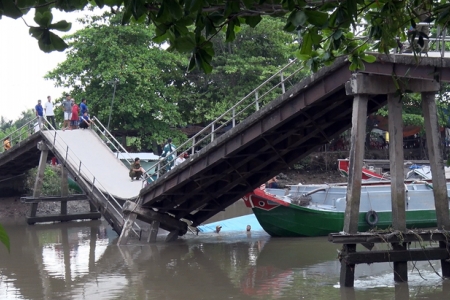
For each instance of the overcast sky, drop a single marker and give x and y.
(23, 65)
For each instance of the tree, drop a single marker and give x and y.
(326, 27)
(238, 68)
(153, 90)
(148, 80)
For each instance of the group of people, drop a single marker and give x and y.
(169, 153)
(74, 116)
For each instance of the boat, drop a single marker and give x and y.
(412, 172)
(318, 210)
(368, 173)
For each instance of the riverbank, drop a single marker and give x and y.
(13, 208)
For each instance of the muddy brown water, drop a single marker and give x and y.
(80, 260)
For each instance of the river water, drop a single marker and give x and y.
(80, 260)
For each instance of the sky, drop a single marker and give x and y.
(23, 65)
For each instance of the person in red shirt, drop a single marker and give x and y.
(74, 118)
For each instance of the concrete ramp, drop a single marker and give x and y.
(91, 158)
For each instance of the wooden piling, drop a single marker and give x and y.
(64, 189)
(434, 146)
(39, 177)
(357, 139)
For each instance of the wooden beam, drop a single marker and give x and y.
(393, 237)
(64, 218)
(370, 257)
(379, 84)
(357, 140)
(396, 158)
(434, 146)
(76, 197)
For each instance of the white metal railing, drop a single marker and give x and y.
(87, 175)
(17, 136)
(110, 140)
(231, 117)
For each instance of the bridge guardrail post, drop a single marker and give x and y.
(257, 101)
(283, 89)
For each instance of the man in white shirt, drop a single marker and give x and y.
(48, 111)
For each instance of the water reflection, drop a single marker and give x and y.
(80, 261)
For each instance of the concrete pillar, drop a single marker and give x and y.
(153, 232)
(39, 177)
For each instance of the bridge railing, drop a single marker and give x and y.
(113, 144)
(22, 133)
(109, 201)
(274, 86)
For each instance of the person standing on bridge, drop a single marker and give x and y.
(39, 110)
(136, 171)
(67, 108)
(49, 113)
(74, 119)
(169, 153)
(83, 107)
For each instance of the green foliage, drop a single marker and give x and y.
(325, 27)
(51, 185)
(4, 238)
(154, 93)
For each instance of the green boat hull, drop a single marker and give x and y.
(297, 221)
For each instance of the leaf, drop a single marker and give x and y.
(61, 26)
(252, 21)
(57, 42)
(369, 58)
(10, 9)
(316, 18)
(297, 18)
(43, 19)
(175, 9)
(230, 34)
(4, 238)
(36, 32)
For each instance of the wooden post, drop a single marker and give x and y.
(400, 267)
(437, 169)
(396, 162)
(397, 179)
(357, 140)
(402, 291)
(64, 189)
(347, 274)
(153, 232)
(92, 245)
(39, 177)
(351, 218)
(436, 161)
(172, 236)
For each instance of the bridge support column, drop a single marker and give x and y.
(63, 216)
(434, 146)
(123, 239)
(37, 189)
(64, 189)
(357, 140)
(396, 158)
(153, 232)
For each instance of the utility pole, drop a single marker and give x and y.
(114, 82)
